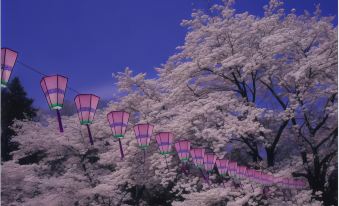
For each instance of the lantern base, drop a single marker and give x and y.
(143, 147)
(3, 84)
(166, 153)
(118, 136)
(84, 122)
(56, 106)
(184, 159)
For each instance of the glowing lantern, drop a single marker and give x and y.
(183, 149)
(257, 176)
(143, 133)
(54, 88)
(86, 105)
(8, 59)
(209, 161)
(222, 165)
(118, 122)
(197, 155)
(165, 141)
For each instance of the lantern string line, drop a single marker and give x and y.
(42, 74)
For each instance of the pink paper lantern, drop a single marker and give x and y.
(118, 122)
(143, 133)
(54, 88)
(86, 105)
(165, 141)
(209, 161)
(250, 174)
(232, 168)
(183, 149)
(222, 166)
(8, 59)
(241, 172)
(197, 155)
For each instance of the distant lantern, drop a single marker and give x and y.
(54, 88)
(86, 105)
(183, 149)
(197, 155)
(143, 133)
(232, 168)
(209, 161)
(222, 165)
(165, 141)
(118, 121)
(241, 172)
(250, 174)
(8, 59)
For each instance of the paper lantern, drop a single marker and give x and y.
(143, 133)
(118, 122)
(222, 166)
(183, 149)
(197, 155)
(241, 171)
(250, 174)
(209, 161)
(232, 168)
(8, 59)
(165, 141)
(54, 88)
(86, 105)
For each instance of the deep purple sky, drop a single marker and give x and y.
(87, 40)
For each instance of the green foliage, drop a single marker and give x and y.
(14, 105)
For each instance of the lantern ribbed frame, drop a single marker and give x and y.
(8, 59)
(54, 89)
(165, 141)
(197, 155)
(222, 166)
(209, 161)
(143, 133)
(183, 148)
(118, 121)
(86, 105)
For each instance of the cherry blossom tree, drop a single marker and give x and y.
(258, 83)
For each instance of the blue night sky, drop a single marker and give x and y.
(88, 40)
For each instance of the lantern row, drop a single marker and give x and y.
(54, 89)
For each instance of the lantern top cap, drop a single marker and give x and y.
(78, 95)
(143, 124)
(163, 132)
(117, 111)
(9, 49)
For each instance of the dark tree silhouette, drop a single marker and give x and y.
(14, 105)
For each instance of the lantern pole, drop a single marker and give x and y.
(144, 155)
(203, 175)
(121, 151)
(89, 134)
(166, 163)
(59, 120)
